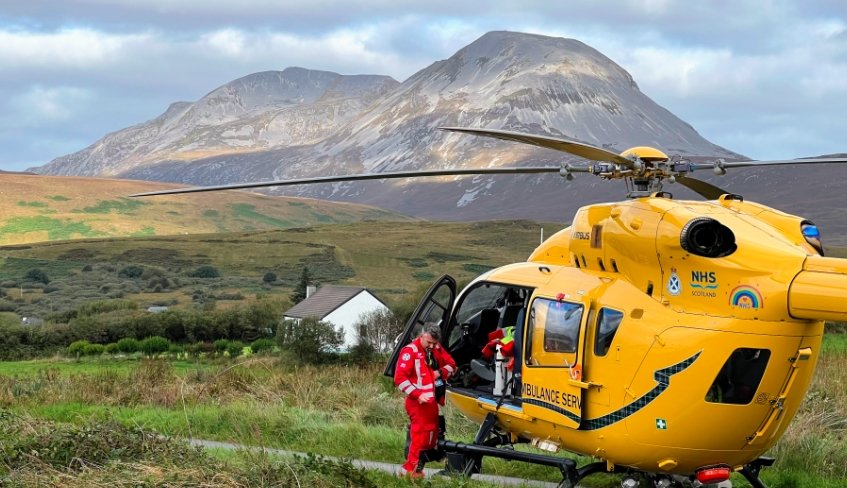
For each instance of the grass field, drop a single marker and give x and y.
(392, 259)
(347, 412)
(52, 208)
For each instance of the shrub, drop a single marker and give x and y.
(158, 283)
(155, 345)
(77, 348)
(205, 272)
(200, 348)
(310, 341)
(128, 345)
(105, 306)
(362, 353)
(131, 271)
(221, 345)
(235, 348)
(37, 275)
(94, 349)
(269, 277)
(176, 349)
(261, 345)
(112, 348)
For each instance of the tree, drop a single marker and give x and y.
(378, 328)
(310, 341)
(299, 293)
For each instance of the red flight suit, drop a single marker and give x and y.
(413, 376)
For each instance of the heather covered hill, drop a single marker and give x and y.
(48, 208)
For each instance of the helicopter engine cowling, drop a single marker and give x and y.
(818, 291)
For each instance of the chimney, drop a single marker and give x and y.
(310, 290)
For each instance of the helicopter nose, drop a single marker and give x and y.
(819, 291)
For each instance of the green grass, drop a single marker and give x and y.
(146, 231)
(91, 366)
(834, 345)
(32, 204)
(57, 229)
(15, 268)
(58, 198)
(248, 212)
(124, 206)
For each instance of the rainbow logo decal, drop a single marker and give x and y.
(746, 296)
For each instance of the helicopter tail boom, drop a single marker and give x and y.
(819, 291)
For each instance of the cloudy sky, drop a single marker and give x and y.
(765, 78)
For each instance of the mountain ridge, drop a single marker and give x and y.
(503, 80)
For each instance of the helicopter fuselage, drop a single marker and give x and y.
(645, 354)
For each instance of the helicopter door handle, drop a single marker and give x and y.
(583, 384)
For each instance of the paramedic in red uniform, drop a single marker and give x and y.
(422, 370)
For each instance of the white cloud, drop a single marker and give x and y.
(229, 42)
(48, 105)
(74, 47)
(742, 72)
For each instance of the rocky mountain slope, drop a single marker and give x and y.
(261, 111)
(298, 123)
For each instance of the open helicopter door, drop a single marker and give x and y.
(435, 307)
(553, 354)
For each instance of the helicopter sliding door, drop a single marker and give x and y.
(435, 307)
(552, 375)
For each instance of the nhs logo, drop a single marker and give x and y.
(704, 284)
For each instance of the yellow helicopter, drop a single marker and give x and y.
(673, 341)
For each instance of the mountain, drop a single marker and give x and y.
(261, 111)
(503, 80)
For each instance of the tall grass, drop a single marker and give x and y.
(104, 454)
(816, 440)
(356, 412)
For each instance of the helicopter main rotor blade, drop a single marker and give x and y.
(708, 190)
(747, 164)
(368, 176)
(576, 148)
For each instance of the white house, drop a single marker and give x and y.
(339, 305)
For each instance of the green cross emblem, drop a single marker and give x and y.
(661, 424)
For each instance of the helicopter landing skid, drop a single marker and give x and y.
(751, 471)
(466, 459)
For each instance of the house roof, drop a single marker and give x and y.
(324, 301)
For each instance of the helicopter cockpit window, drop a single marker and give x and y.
(608, 322)
(553, 331)
(739, 377)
